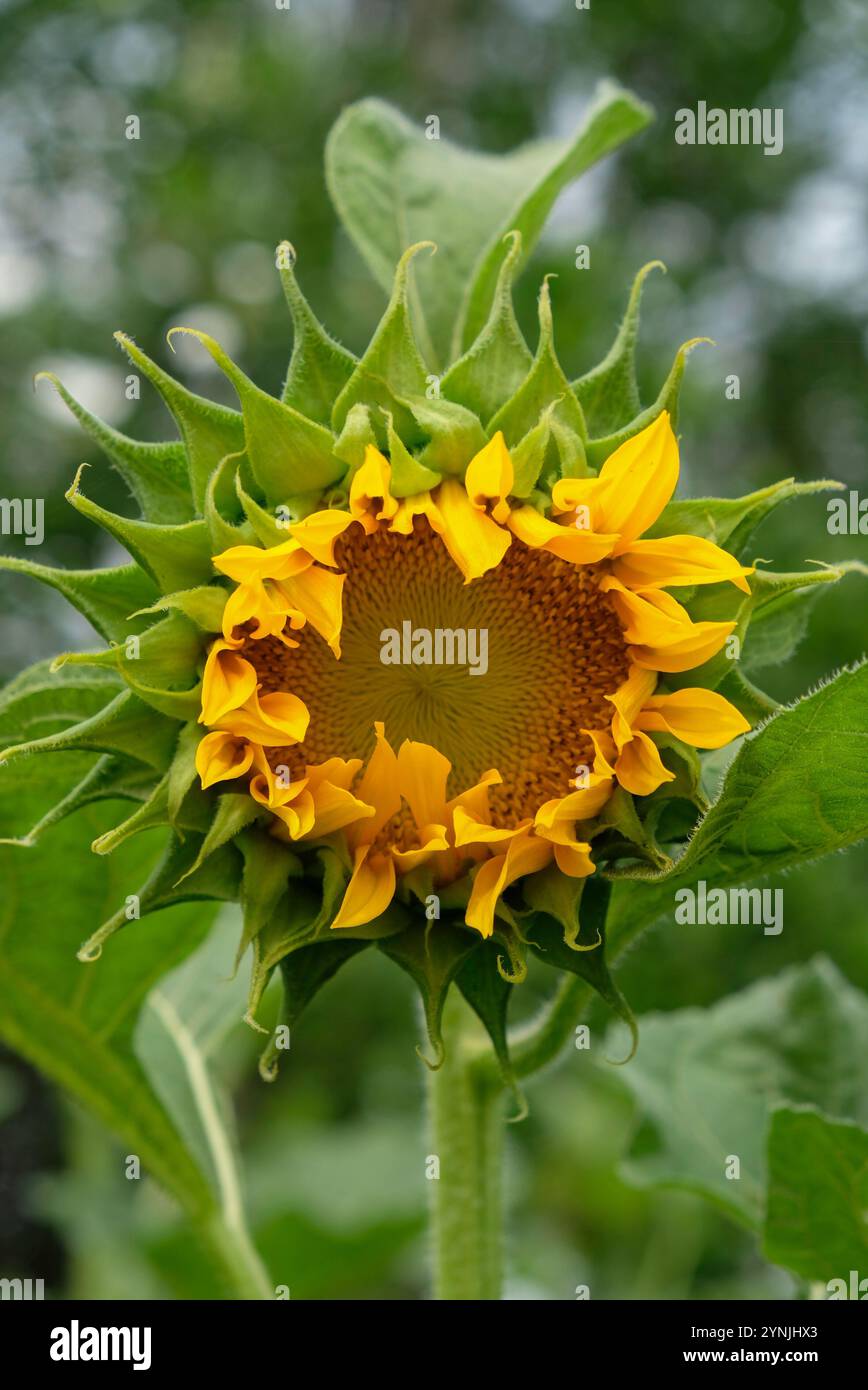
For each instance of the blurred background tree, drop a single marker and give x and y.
(766, 255)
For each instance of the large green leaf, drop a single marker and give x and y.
(816, 1222)
(75, 1021)
(794, 791)
(707, 1081)
(393, 186)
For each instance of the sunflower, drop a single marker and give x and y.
(397, 657)
(417, 764)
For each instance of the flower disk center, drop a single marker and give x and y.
(535, 648)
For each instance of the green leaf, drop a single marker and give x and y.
(708, 1080)
(319, 368)
(177, 557)
(156, 474)
(183, 1020)
(793, 792)
(209, 431)
(609, 393)
(432, 957)
(76, 1022)
(391, 367)
(288, 453)
(109, 779)
(392, 186)
(108, 598)
(816, 1221)
(491, 371)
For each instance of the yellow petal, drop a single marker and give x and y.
(419, 504)
(433, 841)
(604, 751)
(637, 480)
(470, 830)
(370, 491)
(422, 776)
(335, 808)
(660, 631)
(318, 595)
(319, 531)
(272, 720)
(628, 699)
(264, 606)
(678, 560)
(525, 855)
(639, 768)
(554, 817)
(228, 681)
(221, 757)
(248, 562)
(475, 799)
(379, 785)
(490, 476)
(370, 890)
(574, 860)
(579, 546)
(475, 542)
(700, 717)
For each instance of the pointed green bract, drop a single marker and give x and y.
(408, 475)
(454, 435)
(731, 521)
(268, 866)
(493, 368)
(319, 367)
(432, 957)
(598, 450)
(609, 393)
(209, 431)
(126, 725)
(304, 972)
(391, 366)
(288, 453)
(108, 598)
(544, 386)
(176, 557)
(156, 474)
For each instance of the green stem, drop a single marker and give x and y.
(237, 1259)
(467, 1118)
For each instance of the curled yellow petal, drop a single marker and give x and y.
(228, 681)
(524, 855)
(674, 560)
(370, 491)
(475, 542)
(220, 757)
(248, 562)
(577, 545)
(490, 477)
(422, 776)
(271, 720)
(696, 716)
(639, 768)
(370, 890)
(317, 595)
(318, 533)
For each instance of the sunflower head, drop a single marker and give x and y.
(414, 661)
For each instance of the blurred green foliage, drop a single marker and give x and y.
(767, 256)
